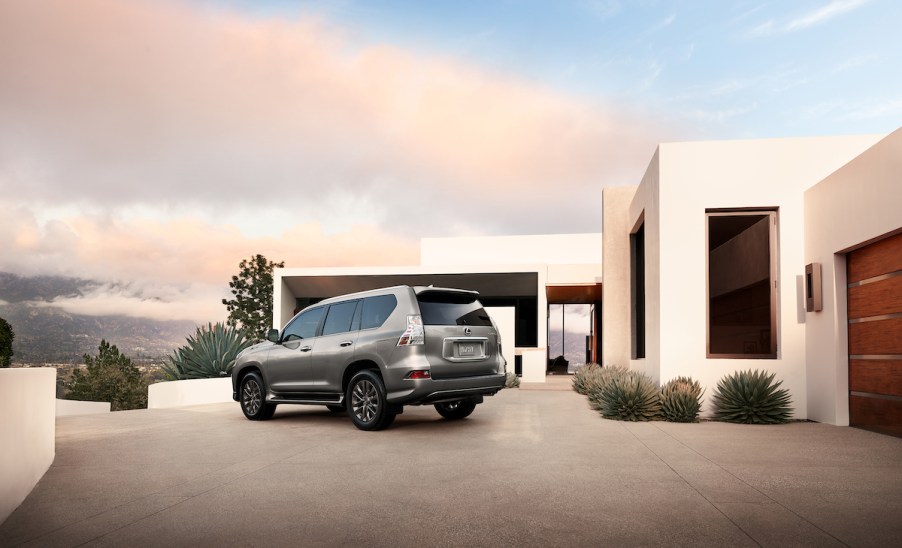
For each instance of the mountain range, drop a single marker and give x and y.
(48, 334)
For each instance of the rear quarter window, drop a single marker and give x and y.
(447, 309)
(376, 310)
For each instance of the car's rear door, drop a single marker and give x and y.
(334, 348)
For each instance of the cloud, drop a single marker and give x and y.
(809, 19)
(175, 269)
(221, 115)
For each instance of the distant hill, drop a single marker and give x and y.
(48, 334)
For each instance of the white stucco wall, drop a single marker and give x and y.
(28, 426)
(537, 249)
(190, 392)
(69, 408)
(615, 321)
(858, 203)
(505, 320)
(692, 177)
(645, 208)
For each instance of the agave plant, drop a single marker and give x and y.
(751, 397)
(627, 396)
(512, 381)
(581, 377)
(594, 376)
(209, 353)
(681, 400)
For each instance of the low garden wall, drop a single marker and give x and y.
(69, 408)
(192, 392)
(28, 424)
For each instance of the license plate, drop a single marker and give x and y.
(467, 350)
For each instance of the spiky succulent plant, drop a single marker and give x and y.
(209, 353)
(581, 377)
(512, 380)
(681, 400)
(751, 397)
(627, 396)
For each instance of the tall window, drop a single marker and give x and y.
(742, 284)
(637, 291)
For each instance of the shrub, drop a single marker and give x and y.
(681, 400)
(109, 376)
(209, 353)
(592, 376)
(512, 381)
(582, 375)
(751, 397)
(626, 395)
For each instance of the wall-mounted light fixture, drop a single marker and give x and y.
(814, 288)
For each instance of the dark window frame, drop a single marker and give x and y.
(773, 281)
(637, 291)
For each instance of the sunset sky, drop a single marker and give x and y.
(151, 145)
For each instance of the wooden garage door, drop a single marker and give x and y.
(875, 336)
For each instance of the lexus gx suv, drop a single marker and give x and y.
(372, 353)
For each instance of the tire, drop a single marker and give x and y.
(336, 408)
(366, 403)
(455, 410)
(252, 396)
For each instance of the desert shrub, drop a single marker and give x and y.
(626, 395)
(512, 381)
(681, 400)
(594, 376)
(209, 353)
(751, 397)
(582, 375)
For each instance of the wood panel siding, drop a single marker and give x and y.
(876, 298)
(876, 259)
(881, 415)
(876, 376)
(875, 335)
(878, 337)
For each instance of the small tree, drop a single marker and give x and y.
(251, 307)
(109, 377)
(6, 342)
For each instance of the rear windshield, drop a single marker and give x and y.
(451, 309)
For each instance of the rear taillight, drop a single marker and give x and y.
(419, 374)
(414, 333)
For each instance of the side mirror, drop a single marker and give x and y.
(272, 335)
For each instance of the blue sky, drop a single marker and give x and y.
(153, 144)
(718, 69)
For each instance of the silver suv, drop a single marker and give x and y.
(374, 352)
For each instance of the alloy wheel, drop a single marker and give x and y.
(365, 400)
(252, 396)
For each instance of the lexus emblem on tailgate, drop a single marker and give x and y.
(467, 331)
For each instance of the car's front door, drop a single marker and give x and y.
(288, 366)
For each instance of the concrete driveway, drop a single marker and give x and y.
(536, 468)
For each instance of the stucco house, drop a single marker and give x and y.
(775, 254)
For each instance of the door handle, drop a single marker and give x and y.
(346, 343)
(305, 348)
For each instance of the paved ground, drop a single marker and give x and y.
(532, 468)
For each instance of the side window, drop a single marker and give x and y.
(338, 320)
(304, 326)
(376, 310)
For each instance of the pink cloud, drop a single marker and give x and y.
(164, 103)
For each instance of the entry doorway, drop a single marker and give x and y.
(570, 337)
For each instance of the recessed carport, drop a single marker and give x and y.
(518, 290)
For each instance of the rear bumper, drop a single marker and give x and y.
(428, 391)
